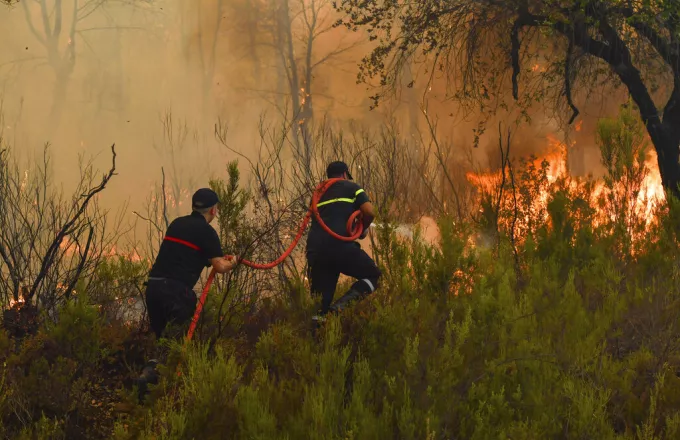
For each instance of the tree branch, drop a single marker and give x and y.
(81, 264)
(614, 52)
(12, 271)
(665, 50)
(165, 203)
(514, 53)
(335, 53)
(31, 26)
(567, 81)
(45, 19)
(65, 230)
(57, 19)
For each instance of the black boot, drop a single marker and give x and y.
(317, 322)
(351, 296)
(149, 376)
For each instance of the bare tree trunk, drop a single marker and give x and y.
(208, 54)
(663, 127)
(664, 131)
(412, 102)
(666, 138)
(62, 64)
(185, 28)
(307, 112)
(118, 77)
(252, 13)
(289, 63)
(59, 96)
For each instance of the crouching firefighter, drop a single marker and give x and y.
(327, 256)
(190, 245)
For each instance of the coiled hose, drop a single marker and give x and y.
(354, 229)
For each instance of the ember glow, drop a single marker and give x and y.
(71, 248)
(132, 255)
(18, 303)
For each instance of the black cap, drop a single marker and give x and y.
(204, 198)
(337, 168)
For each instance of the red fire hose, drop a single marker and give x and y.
(354, 229)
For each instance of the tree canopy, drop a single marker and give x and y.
(547, 50)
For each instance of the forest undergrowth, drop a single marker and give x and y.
(529, 320)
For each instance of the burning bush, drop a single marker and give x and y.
(517, 199)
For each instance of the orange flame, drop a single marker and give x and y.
(650, 196)
(13, 302)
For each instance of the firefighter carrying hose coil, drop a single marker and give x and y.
(327, 256)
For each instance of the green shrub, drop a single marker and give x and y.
(561, 327)
(78, 332)
(63, 381)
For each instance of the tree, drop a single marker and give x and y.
(54, 27)
(178, 138)
(553, 48)
(291, 31)
(201, 22)
(58, 26)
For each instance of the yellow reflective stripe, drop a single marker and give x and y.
(335, 200)
(341, 199)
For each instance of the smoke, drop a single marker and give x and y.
(114, 75)
(154, 77)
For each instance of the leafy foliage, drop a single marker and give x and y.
(558, 356)
(233, 201)
(64, 381)
(552, 48)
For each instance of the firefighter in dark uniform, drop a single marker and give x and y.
(189, 246)
(328, 257)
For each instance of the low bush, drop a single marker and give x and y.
(564, 327)
(455, 345)
(66, 380)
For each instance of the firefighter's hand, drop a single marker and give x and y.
(224, 264)
(232, 262)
